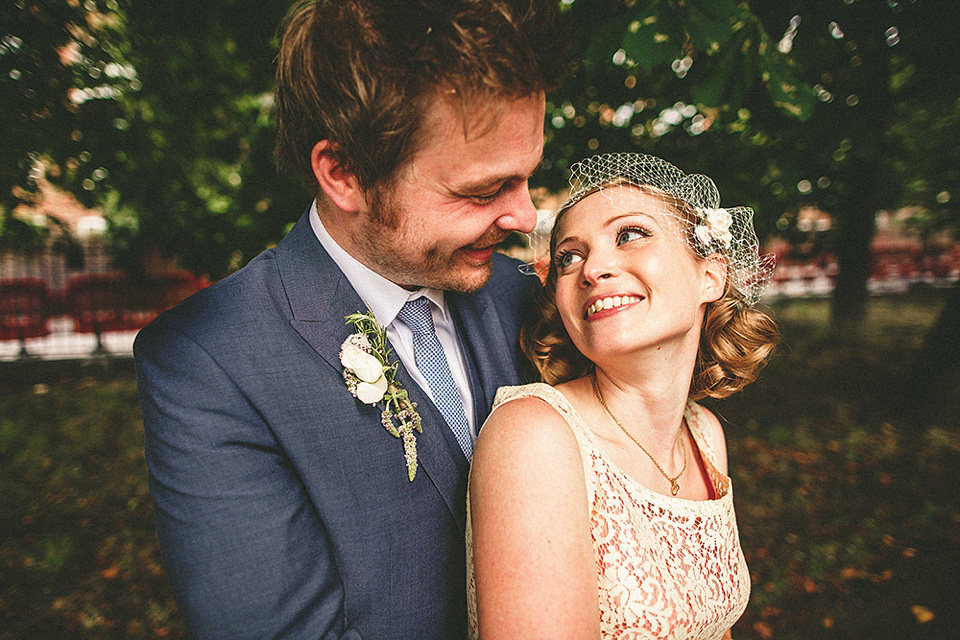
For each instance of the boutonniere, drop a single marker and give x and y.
(369, 374)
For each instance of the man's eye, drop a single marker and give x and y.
(484, 199)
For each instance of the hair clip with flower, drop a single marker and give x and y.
(714, 226)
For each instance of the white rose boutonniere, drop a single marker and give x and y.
(369, 375)
(359, 362)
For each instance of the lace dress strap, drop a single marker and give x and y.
(560, 403)
(697, 421)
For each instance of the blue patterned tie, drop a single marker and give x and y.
(433, 365)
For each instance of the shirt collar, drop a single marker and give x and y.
(382, 296)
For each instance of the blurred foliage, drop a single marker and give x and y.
(849, 520)
(160, 113)
(63, 74)
(199, 179)
(929, 164)
(676, 79)
(163, 116)
(856, 114)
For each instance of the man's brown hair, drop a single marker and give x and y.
(361, 73)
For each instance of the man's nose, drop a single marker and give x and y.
(519, 214)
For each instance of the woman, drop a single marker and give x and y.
(610, 487)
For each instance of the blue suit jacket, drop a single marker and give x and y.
(283, 507)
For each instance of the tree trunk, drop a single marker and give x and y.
(932, 387)
(859, 207)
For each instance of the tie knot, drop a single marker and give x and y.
(416, 314)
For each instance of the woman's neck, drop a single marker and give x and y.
(647, 392)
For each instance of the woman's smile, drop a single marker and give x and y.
(602, 306)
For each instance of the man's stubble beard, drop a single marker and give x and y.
(433, 270)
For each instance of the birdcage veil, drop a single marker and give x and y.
(706, 227)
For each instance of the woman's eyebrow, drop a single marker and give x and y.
(608, 223)
(626, 214)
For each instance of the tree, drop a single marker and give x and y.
(63, 74)
(884, 137)
(178, 155)
(671, 76)
(160, 113)
(930, 167)
(872, 63)
(198, 177)
(732, 105)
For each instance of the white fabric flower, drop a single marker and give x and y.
(372, 393)
(719, 222)
(370, 379)
(703, 233)
(718, 219)
(362, 364)
(724, 238)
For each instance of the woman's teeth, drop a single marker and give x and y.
(610, 303)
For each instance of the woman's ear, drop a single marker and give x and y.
(338, 183)
(714, 277)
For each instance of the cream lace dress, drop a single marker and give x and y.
(667, 568)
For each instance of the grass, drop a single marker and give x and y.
(78, 555)
(848, 516)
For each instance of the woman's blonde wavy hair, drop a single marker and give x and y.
(736, 339)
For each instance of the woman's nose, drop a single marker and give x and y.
(598, 266)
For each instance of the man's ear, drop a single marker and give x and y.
(339, 184)
(714, 277)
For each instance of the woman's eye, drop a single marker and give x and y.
(631, 233)
(566, 259)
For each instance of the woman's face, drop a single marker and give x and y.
(626, 280)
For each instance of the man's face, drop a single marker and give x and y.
(464, 190)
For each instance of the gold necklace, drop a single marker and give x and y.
(674, 485)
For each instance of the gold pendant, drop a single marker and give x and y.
(674, 487)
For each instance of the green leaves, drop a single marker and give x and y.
(711, 23)
(783, 80)
(654, 36)
(62, 76)
(723, 36)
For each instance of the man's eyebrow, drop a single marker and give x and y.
(489, 181)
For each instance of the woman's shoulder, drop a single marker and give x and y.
(541, 390)
(709, 434)
(527, 412)
(527, 425)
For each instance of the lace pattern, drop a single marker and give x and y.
(667, 568)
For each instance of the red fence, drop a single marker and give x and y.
(893, 270)
(95, 303)
(25, 307)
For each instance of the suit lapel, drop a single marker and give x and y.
(320, 296)
(480, 400)
(486, 346)
(438, 452)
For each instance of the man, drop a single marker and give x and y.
(284, 508)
